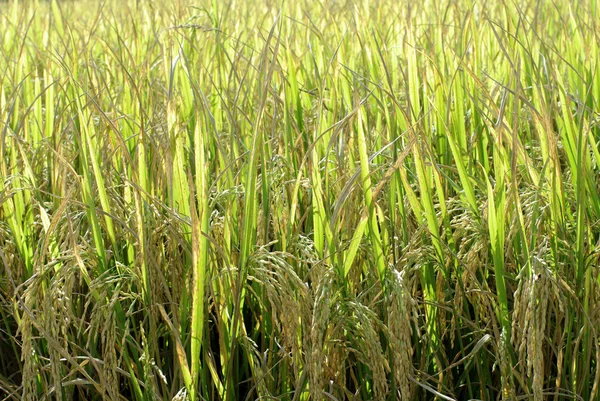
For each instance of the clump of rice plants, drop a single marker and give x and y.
(337, 200)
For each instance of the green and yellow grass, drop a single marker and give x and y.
(299, 200)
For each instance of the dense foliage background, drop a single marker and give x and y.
(341, 200)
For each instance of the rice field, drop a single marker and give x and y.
(299, 200)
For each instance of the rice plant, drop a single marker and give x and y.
(299, 200)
